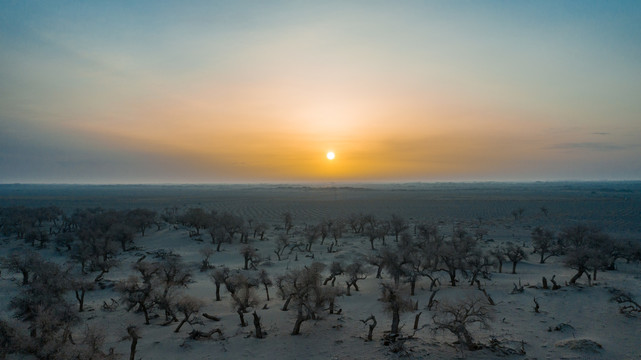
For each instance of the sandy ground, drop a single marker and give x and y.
(615, 207)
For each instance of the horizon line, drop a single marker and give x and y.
(307, 183)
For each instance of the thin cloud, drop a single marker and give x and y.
(595, 146)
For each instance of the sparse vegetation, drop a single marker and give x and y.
(65, 272)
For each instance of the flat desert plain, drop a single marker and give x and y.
(298, 236)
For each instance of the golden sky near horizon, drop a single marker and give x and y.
(256, 91)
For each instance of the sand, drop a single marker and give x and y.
(590, 317)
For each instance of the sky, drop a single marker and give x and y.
(260, 91)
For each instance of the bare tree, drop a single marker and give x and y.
(197, 218)
(545, 211)
(399, 225)
(312, 233)
(324, 229)
(219, 277)
(372, 325)
(288, 220)
(66, 240)
(456, 317)
(243, 295)
(499, 255)
(303, 287)
(80, 286)
(396, 304)
(330, 295)
(23, 263)
(259, 229)
(335, 269)
(356, 222)
(206, 253)
(545, 243)
(282, 242)
(265, 280)
(628, 306)
(614, 249)
(584, 248)
(250, 256)
(478, 263)
(218, 235)
(518, 213)
(133, 335)
(393, 263)
(515, 253)
(355, 271)
(376, 260)
(121, 233)
(337, 230)
(188, 306)
(257, 327)
(480, 233)
(42, 303)
(454, 253)
(232, 224)
(375, 230)
(141, 219)
(173, 274)
(138, 291)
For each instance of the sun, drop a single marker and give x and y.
(330, 155)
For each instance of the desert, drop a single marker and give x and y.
(440, 270)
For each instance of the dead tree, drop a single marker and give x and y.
(372, 325)
(264, 279)
(518, 289)
(398, 225)
(487, 296)
(311, 236)
(585, 251)
(188, 306)
(133, 335)
(242, 294)
(515, 253)
(80, 287)
(330, 295)
(304, 288)
(545, 243)
(355, 271)
(454, 253)
(23, 263)
(282, 242)
(250, 256)
(197, 334)
(288, 220)
(219, 277)
(334, 270)
(376, 260)
(416, 320)
(394, 303)
(629, 306)
(455, 317)
(257, 327)
(431, 302)
(499, 254)
(173, 275)
(206, 252)
(139, 292)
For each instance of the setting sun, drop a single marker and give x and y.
(330, 155)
